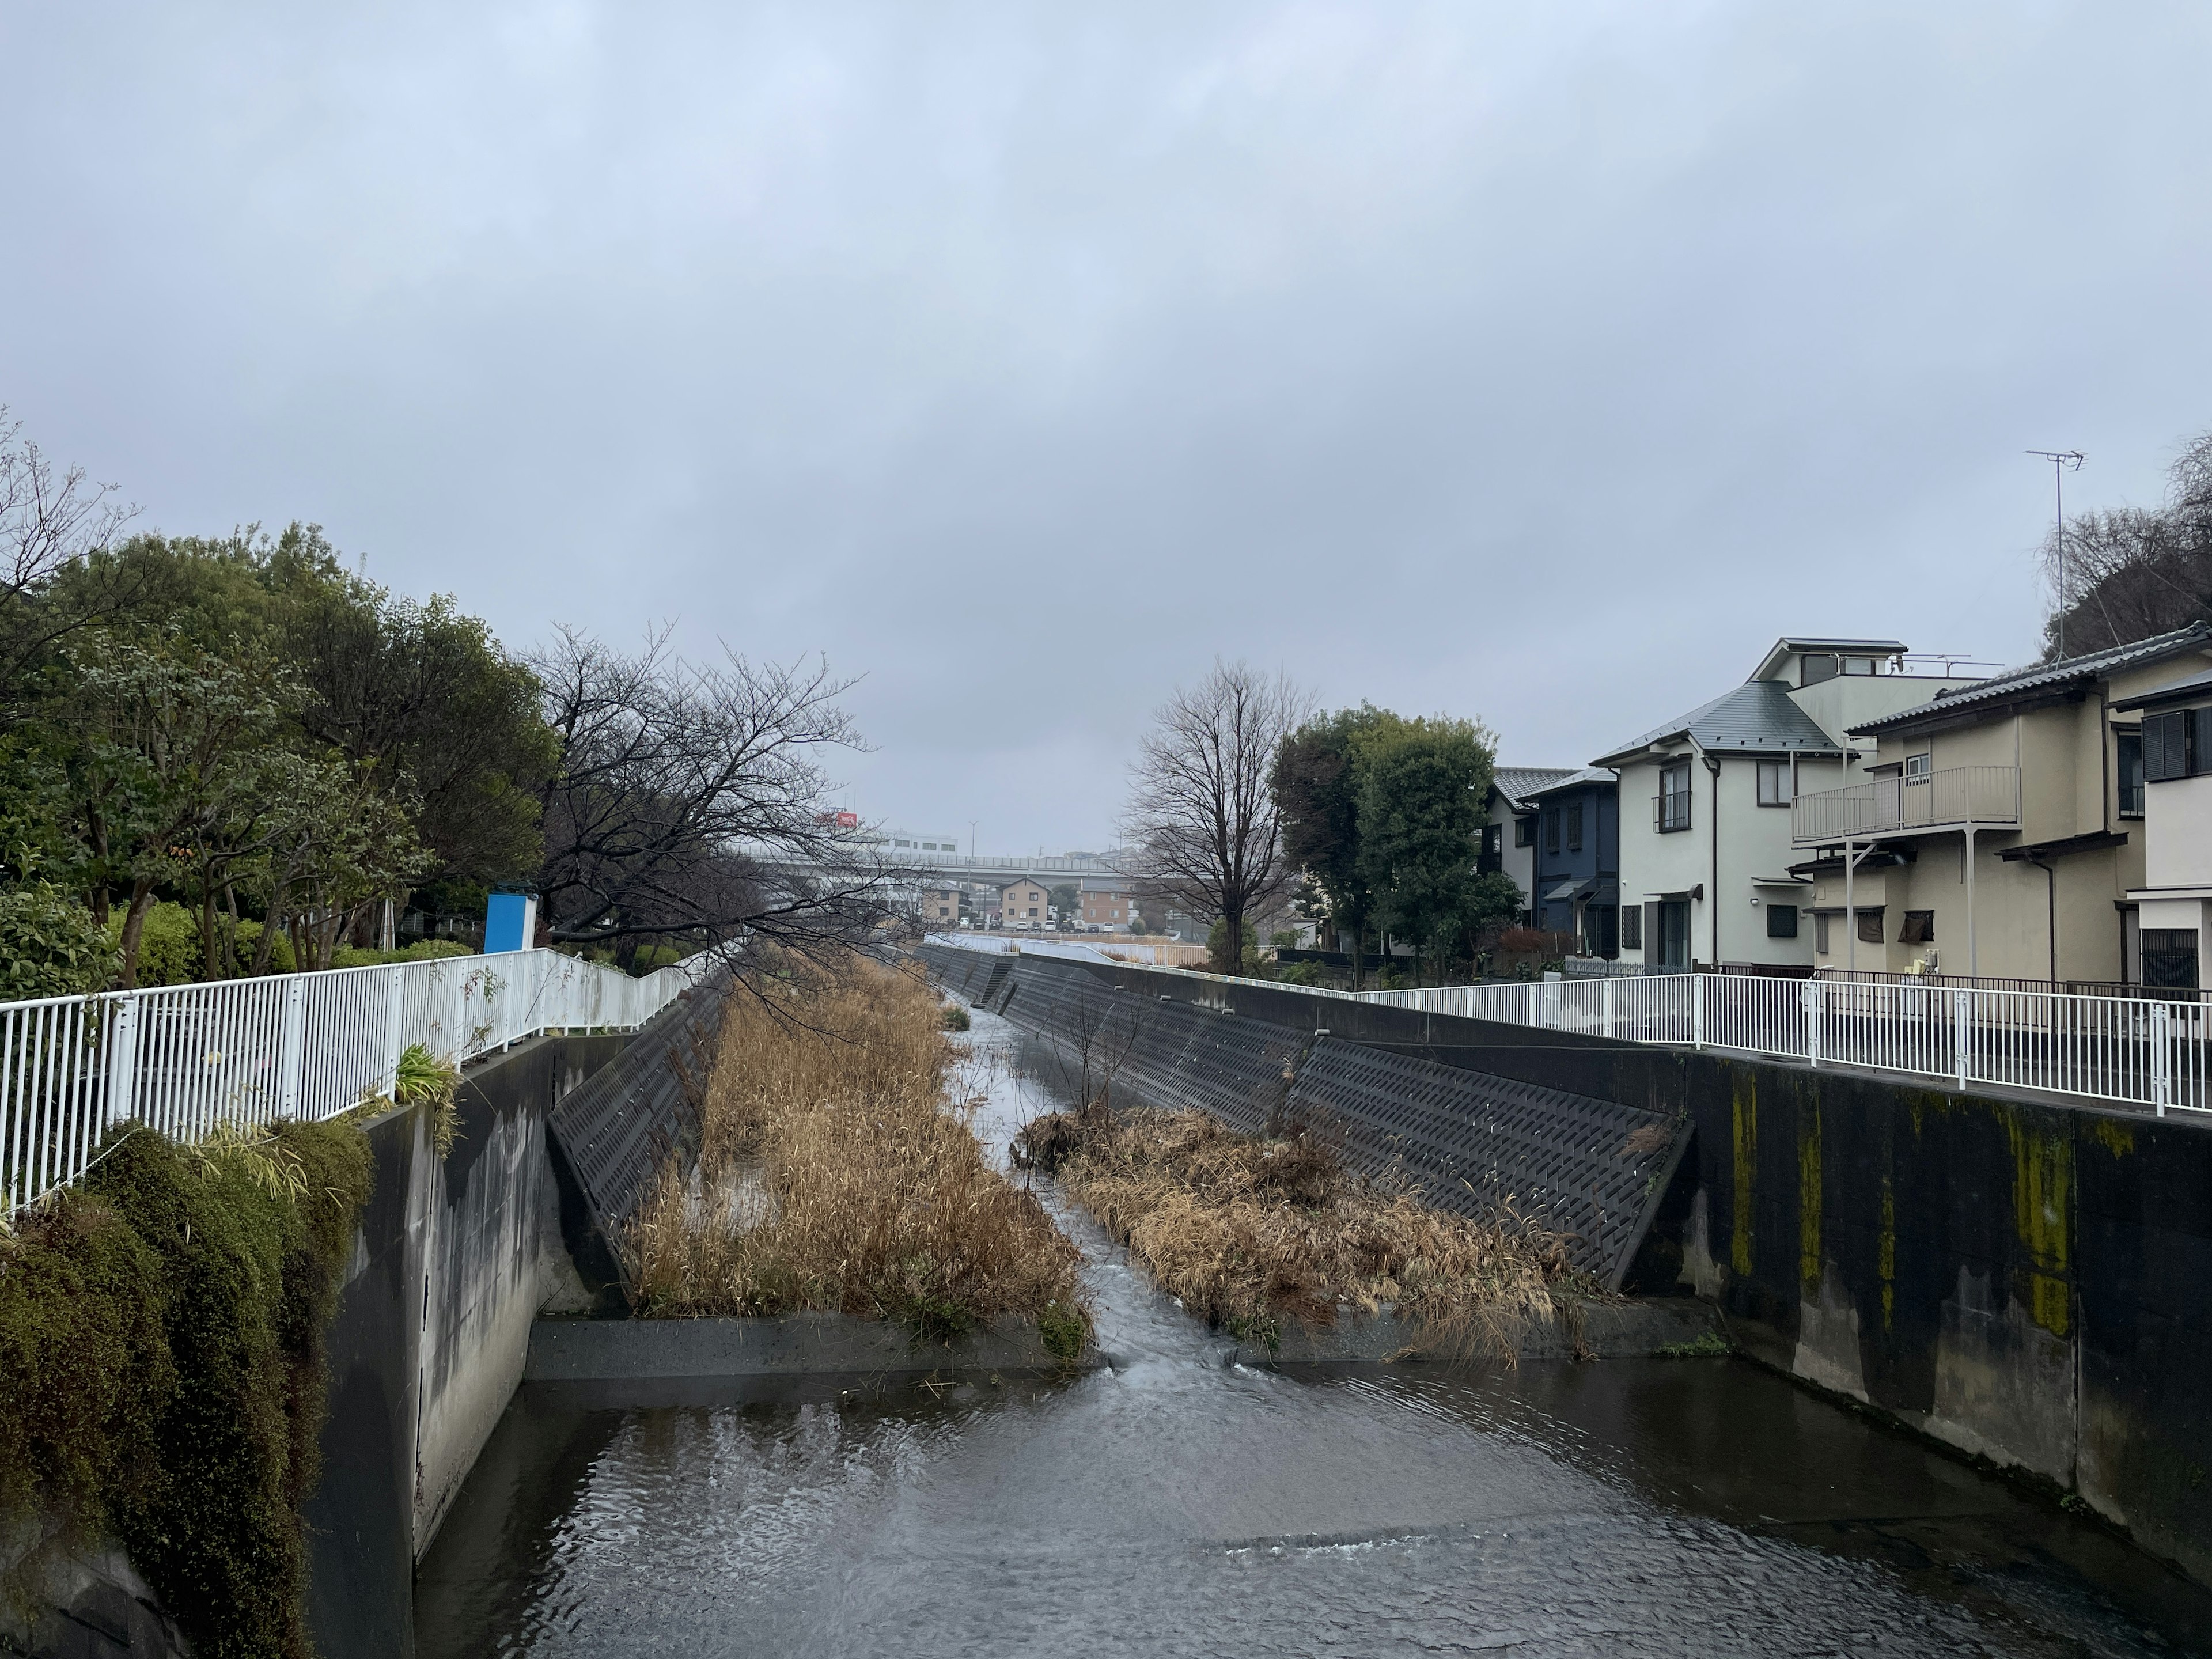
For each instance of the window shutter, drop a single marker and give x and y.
(1652, 938)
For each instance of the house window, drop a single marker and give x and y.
(1820, 935)
(1782, 921)
(2129, 751)
(1774, 783)
(1671, 806)
(1631, 928)
(1817, 665)
(2169, 957)
(1551, 830)
(1574, 828)
(1869, 926)
(1919, 928)
(1916, 768)
(1524, 831)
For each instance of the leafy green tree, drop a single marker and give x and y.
(1421, 785)
(50, 946)
(1316, 786)
(1067, 899)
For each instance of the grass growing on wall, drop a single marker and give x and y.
(835, 1176)
(162, 1371)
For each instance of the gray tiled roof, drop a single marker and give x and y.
(1518, 783)
(1758, 717)
(1580, 775)
(2013, 682)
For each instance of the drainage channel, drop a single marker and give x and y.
(1175, 1501)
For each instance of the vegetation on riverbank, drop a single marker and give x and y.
(163, 1373)
(1248, 1233)
(837, 1174)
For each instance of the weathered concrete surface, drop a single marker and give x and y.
(101, 1609)
(2022, 1280)
(1592, 1330)
(610, 1350)
(451, 1262)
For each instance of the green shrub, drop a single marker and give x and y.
(168, 944)
(50, 946)
(282, 957)
(161, 1367)
(430, 949)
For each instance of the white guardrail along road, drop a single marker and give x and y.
(2138, 1051)
(182, 1059)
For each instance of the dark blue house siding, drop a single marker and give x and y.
(1588, 813)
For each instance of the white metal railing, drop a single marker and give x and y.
(2141, 1050)
(184, 1058)
(1955, 795)
(2138, 1050)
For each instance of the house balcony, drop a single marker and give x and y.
(1957, 798)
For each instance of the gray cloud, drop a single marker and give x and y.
(1534, 362)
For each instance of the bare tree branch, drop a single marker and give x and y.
(1202, 815)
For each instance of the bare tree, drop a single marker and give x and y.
(48, 520)
(1201, 816)
(689, 802)
(2131, 573)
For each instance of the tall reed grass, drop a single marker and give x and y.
(1250, 1232)
(835, 1173)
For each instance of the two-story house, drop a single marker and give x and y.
(1997, 830)
(1706, 823)
(1023, 906)
(2172, 909)
(1107, 902)
(1509, 827)
(1576, 862)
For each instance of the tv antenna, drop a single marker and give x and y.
(2062, 461)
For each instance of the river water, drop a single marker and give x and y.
(1173, 1503)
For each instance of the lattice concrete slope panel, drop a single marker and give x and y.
(616, 1125)
(1589, 1169)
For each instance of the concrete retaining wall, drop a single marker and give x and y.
(453, 1260)
(2024, 1280)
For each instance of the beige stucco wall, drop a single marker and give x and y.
(2178, 826)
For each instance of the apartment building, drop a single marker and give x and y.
(1998, 829)
(1023, 906)
(1705, 801)
(1106, 904)
(1509, 828)
(2174, 907)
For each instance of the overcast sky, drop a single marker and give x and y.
(1539, 363)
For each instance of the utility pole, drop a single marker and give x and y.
(2062, 461)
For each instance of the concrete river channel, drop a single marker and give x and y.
(1170, 1503)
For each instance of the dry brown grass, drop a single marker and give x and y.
(835, 1176)
(1250, 1232)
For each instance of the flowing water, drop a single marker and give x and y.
(1173, 1503)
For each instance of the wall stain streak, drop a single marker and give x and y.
(1745, 1094)
(1886, 1255)
(2041, 1197)
(1809, 1198)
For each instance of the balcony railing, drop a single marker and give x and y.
(1949, 799)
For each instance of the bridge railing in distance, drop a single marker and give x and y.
(2138, 1050)
(183, 1059)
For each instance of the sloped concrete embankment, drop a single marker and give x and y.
(2020, 1280)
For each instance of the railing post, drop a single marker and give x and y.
(1697, 1011)
(1812, 994)
(461, 1009)
(292, 1047)
(123, 1059)
(2161, 1055)
(394, 1026)
(1605, 1005)
(1536, 1013)
(1962, 1030)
